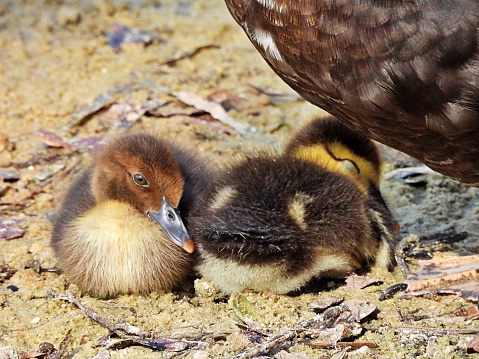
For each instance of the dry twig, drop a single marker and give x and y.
(119, 329)
(342, 344)
(187, 54)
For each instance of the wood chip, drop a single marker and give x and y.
(9, 228)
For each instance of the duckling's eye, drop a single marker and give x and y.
(140, 180)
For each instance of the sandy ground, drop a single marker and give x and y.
(55, 62)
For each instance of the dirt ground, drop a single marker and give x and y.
(60, 74)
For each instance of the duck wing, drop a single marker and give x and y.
(404, 73)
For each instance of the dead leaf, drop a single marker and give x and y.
(226, 99)
(44, 350)
(215, 109)
(448, 275)
(355, 282)
(6, 272)
(52, 140)
(101, 102)
(9, 228)
(243, 309)
(359, 309)
(473, 344)
(320, 305)
(174, 108)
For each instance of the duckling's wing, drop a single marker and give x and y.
(78, 200)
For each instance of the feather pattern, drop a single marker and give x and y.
(404, 73)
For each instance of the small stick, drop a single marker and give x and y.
(126, 331)
(187, 54)
(343, 344)
(61, 349)
(119, 329)
(268, 345)
(403, 328)
(399, 254)
(320, 320)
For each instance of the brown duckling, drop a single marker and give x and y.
(119, 229)
(276, 222)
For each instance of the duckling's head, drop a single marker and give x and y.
(140, 169)
(329, 143)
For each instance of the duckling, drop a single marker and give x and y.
(119, 228)
(271, 222)
(332, 145)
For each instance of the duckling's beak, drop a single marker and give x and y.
(168, 217)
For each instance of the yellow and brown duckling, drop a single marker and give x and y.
(332, 145)
(119, 229)
(277, 222)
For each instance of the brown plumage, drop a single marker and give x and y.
(119, 230)
(404, 73)
(275, 223)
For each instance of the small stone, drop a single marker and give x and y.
(68, 15)
(8, 352)
(203, 288)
